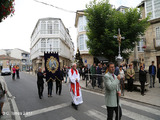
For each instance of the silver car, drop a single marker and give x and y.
(6, 71)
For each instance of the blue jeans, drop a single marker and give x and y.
(50, 87)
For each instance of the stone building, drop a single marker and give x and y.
(152, 35)
(50, 35)
(8, 62)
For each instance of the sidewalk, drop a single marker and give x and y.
(152, 96)
(6, 110)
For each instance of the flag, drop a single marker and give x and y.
(52, 65)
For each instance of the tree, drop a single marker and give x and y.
(79, 60)
(103, 24)
(6, 9)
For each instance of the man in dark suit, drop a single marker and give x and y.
(59, 82)
(152, 72)
(40, 82)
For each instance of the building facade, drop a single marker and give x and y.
(152, 35)
(50, 35)
(19, 54)
(80, 24)
(8, 62)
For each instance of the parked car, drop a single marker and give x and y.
(6, 71)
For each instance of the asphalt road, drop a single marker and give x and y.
(59, 107)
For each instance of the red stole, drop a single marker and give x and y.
(73, 85)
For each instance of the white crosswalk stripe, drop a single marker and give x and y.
(69, 118)
(132, 115)
(141, 107)
(96, 115)
(44, 110)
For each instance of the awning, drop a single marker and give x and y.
(101, 58)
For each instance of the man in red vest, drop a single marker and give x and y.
(75, 88)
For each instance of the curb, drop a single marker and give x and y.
(13, 106)
(101, 92)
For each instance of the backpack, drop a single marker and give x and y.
(1, 91)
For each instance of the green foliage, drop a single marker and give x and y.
(79, 60)
(6, 9)
(103, 24)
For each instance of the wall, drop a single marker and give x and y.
(89, 59)
(3, 52)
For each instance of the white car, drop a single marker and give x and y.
(6, 71)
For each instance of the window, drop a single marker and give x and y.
(85, 42)
(49, 27)
(153, 7)
(55, 44)
(49, 45)
(140, 46)
(43, 45)
(56, 27)
(81, 42)
(158, 33)
(80, 24)
(43, 27)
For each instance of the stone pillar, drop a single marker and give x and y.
(136, 60)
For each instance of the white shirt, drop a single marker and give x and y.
(121, 72)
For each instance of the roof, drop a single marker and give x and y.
(78, 13)
(48, 18)
(120, 7)
(22, 50)
(141, 4)
(5, 57)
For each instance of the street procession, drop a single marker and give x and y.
(80, 60)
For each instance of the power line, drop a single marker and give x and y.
(55, 6)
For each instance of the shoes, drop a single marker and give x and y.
(143, 94)
(75, 106)
(40, 97)
(150, 87)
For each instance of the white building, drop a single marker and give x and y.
(22, 55)
(80, 24)
(50, 34)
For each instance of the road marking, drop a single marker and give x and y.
(96, 115)
(93, 92)
(69, 118)
(141, 107)
(14, 105)
(44, 110)
(135, 116)
(132, 115)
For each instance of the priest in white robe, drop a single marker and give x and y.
(74, 86)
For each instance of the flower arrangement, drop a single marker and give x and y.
(6, 9)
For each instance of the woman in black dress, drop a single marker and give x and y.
(142, 79)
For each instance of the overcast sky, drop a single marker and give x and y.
(15, 31)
